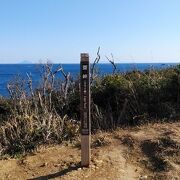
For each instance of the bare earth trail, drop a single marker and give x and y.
(120, 155)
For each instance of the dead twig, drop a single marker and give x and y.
(96, 61)
(112, 62)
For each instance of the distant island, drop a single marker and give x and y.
(25, 62)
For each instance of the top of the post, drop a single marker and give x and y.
(84, 57)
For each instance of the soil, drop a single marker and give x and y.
(147, 152)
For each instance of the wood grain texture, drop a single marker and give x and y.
(85, 150)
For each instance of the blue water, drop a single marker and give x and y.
(9, 71)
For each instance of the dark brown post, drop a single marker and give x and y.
(85, 110)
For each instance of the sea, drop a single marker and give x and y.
(8, 72)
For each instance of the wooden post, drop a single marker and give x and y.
(85, 110)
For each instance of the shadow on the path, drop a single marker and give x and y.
(57, 174)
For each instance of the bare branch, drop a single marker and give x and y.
(10, 91)
(96, 61)
(30, 84)
(67, 80)
(112, 62)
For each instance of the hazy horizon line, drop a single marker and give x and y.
(130, 62)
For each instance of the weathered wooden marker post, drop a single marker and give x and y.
(85, 110)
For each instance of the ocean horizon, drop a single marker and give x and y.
(9, 71)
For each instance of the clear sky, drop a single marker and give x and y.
(59, 30)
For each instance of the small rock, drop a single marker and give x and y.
(44, 164)
(99, 161)
(73, 165)
(143, 177)
(121, 171)
(8, 176)
(93, 166)
(79, 169)
(56, 165)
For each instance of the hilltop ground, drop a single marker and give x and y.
(147, 152)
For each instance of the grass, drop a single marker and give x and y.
(51, 112)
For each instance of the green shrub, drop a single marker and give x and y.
(136, 97)
(32, 117)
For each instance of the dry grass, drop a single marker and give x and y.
(150, 152)
(22, 134)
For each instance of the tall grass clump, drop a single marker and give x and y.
(33, 118)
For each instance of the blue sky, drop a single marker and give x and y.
(59, 30)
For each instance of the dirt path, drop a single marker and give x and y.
(117, 166)
(109, 163)
(121, 155)
(63, 163)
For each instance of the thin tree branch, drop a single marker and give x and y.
(96, 61)
(112, 62)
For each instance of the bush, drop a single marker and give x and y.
(136, 97)
(109, 95)
(51, 112)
